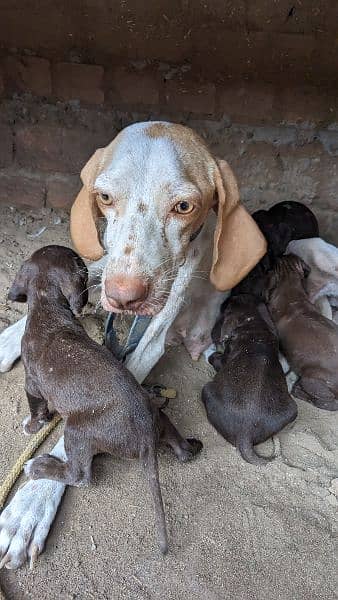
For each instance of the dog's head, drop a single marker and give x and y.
(52, 267)
(284, 222)
(290, 269)
(154, 186)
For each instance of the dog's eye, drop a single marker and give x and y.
(184, 207)
(105, 199)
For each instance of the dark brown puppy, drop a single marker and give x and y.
(104, 407)
(283, 222)
(248, 400)
(280, 224)
(308, 340)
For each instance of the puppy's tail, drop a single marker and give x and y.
(247, 451)
(150, 462)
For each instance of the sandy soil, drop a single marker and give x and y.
(236, 531)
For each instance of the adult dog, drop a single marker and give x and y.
(156, 190)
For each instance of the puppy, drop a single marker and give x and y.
(280, 224)
(248, 400)
(322, 282)
(284, 222)
(104, 408)
(308, 340)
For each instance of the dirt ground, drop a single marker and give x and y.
(236, 531)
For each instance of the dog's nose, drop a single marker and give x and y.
(126, 292)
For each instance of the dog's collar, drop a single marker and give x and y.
(194, 235)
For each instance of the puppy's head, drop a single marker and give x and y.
(284, 222)
(50, 267)
(289, 269)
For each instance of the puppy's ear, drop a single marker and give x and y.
(303, 268)
(270, 283)
(238, 242)
(75, 289)
(18, 289)
(263, 311)
(85, 211)
(278, 239)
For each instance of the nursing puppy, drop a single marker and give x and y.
(248, 400)
(104, 408)
(322, 282)
(283, 222)
(308, 340)
(280, 224)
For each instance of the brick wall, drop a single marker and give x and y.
(43, 146)
(271, 40)
(281, 138)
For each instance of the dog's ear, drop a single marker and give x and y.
(74, 286)
(19, 287)
(264, 312)
(85, 211)
(238, 242)
(278, 239)
(302, 267)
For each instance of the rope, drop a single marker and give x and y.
(33, 445)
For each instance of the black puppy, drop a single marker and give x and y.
(248, 400)
(284, 222)
(280, 224)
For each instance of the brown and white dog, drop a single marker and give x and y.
(170, 212)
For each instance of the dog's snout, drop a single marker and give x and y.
(126, 292)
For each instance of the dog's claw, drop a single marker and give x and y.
(35, 551)
(4, 561)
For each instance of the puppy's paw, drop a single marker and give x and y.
(191, 448)
(43, 467)
(31, 426)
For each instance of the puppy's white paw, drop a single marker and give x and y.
(10, 344)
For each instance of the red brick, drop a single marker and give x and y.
(2, 85)
(62, 191)
(190, 96)
(6, 146)
(248, 103)
(72, 81)
(28, 74)
(19, 189)
(133, 88)
(53, 148)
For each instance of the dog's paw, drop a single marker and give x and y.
(192, 447)
(31, 426)
(10, 344)
(25, 522)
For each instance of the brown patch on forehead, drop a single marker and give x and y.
(128, 249)
(142, 208)
(157, 130)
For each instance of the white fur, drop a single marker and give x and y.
(10, 344)
(25, 522)
(322, 258)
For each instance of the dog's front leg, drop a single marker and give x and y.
(25, 522)
(152, 345)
